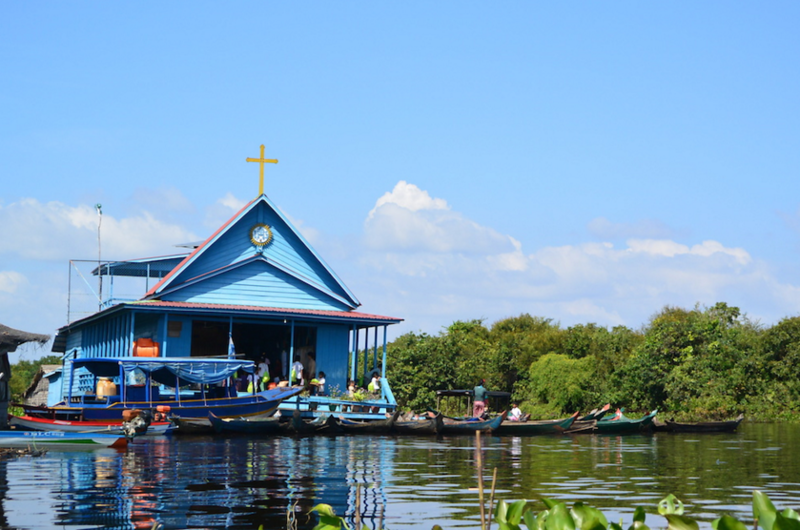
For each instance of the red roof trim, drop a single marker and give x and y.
(309, 312)
(180, 265)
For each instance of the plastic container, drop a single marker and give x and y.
(145, 348)
(105, 387)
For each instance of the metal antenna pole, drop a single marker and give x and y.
(99, 208)
(69, 290)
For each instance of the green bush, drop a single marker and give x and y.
(557, 516)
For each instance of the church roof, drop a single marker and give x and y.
(233, 267)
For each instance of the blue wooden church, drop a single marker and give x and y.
(255, 286)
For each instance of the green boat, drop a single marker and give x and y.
(620, 424)
(528, 428)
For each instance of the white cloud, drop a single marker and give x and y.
(231, 202)
(222, 210)
(430, 264)
(56, 231)
(671, 249)
(409, 197)
(509, 261)
(11, 281)
(646, 228)
(409, 219)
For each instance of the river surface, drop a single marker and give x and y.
(397, 482)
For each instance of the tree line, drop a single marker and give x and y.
(700, 363)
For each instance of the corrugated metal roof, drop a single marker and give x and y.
(154, 267)
(354, 315)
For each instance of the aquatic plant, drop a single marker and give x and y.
(557, 516)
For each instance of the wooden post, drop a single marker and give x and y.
(479, 465)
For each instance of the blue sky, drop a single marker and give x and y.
(449, 160)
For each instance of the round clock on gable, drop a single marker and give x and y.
(260, 235)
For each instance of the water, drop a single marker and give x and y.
(401, 482)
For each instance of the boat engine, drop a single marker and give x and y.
(135, 422)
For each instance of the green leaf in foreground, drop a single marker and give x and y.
(763, 510)
(681, 522)
(328, 520)
(588, 518)
(559, 518)
(670, 505)
(531, 521)
(508, 516)
(790, 514)
(726, 522)
(785, 523)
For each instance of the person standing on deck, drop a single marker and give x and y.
(321, 384)
(374, 386)
(479, 402)
(297, 372)
(262, 374)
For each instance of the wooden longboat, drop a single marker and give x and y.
(705, 426)
(113, 427)
(596, 414)
(61, 439)
(620, 424)
(192, 426)
(581, 427)
(242, 425)
(430, 425)
(585, 424)
(319, 425)
(526, 428)
(369, 426)
(472, 426)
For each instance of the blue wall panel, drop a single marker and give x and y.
(74, 340)
(332, 355)
(285, 248)
(180, 346)
(257, 284)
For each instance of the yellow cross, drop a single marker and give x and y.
(261, 162)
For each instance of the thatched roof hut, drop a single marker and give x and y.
(36, 393)
(10, 338)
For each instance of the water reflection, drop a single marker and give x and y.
(392, 483)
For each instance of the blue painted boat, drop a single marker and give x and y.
(428, 425)
(520, 428)
(381, 426)
(472, 426)
(621, 424)
(189, 388)
(257, 425)
(28, 423)
(61, 439)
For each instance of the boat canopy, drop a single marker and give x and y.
(165, 370)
